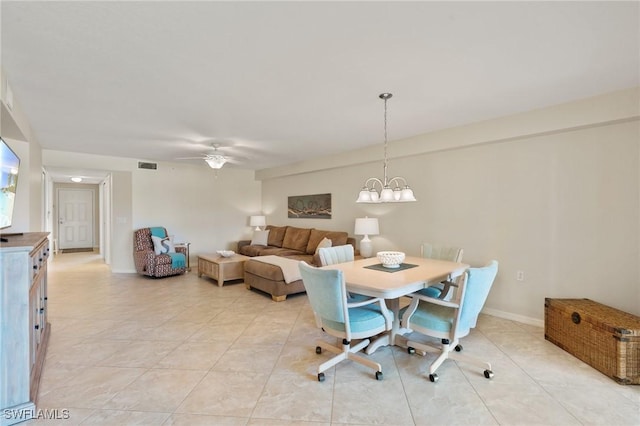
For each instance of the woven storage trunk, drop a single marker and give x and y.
(606, 338)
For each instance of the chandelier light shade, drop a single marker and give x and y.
(366, 226)
(215, 161)
(257, 221)
(385, 190)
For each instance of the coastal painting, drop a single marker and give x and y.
(317, 206)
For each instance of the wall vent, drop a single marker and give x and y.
(148, 166)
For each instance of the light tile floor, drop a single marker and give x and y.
(126, 349)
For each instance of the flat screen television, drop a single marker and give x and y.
(9, 168)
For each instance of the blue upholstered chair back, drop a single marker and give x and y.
(431, 251)
(452, 254)
(337, 254)
(326, 292)
(479, 282)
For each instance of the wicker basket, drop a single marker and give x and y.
(606, 338)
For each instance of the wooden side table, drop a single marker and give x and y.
(221, 268)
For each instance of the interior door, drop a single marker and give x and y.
(75, 218)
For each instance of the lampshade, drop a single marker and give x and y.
(257, 221)
(367, 226)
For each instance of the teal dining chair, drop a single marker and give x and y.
(441, 290)
(340, 254)
(451, 320)
(345, 320)
(336, 254)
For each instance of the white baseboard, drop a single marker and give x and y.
(123, 271)
(514, 317)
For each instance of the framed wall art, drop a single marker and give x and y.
(317, 206)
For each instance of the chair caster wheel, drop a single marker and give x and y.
(445, 341)
(458, 348)
(488, 374)
(433, 377)
(318, 350)
(379, 375)
(321, 377)
(411, 351)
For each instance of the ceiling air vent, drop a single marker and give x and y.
(148, 166)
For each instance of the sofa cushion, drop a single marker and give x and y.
(296, 238)
(260, 238)
(337, 239)
(278, 251)
(250, 250)
(276, 235)
(324, 243)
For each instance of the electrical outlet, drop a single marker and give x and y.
(520, 275)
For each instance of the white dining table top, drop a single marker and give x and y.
(390, 285)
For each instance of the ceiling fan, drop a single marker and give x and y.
(214, 159)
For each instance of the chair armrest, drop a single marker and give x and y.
(243, 243)
(448, 284)
(364, 302)
(144, 260)
(181, 249)
(435, 301)
(416, 298)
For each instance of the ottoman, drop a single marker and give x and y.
(269, 279)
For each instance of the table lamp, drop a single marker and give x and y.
(366, 226)
(257, 221)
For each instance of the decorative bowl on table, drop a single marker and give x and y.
(226, 253)
(390, 259)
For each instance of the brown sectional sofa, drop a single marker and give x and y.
(289, 242)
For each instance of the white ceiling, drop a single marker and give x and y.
(279, 82)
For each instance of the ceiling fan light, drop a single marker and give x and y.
(216, 161)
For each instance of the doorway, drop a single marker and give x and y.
(76, 218)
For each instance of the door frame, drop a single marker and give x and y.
(93, 209)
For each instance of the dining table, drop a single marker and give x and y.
(370, 278)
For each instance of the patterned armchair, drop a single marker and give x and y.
(149, 263)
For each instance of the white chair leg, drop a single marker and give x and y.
(366, 362)
(438, 362)
(330, 363)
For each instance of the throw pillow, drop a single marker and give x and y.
(260, 238)
(163, 245)
(324, 243)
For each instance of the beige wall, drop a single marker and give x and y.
(211, 213)
(562, 206)
(196, 206)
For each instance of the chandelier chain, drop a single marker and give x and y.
(385, 141)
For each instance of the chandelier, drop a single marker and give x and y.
(394, 190)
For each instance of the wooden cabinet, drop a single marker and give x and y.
(24, 330)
